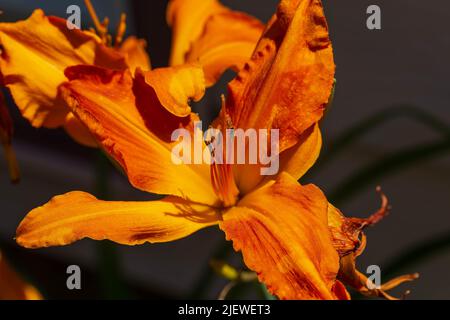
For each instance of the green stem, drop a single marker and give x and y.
(208, 274)
(110, 276)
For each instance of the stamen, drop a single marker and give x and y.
(351, 276)
(381, 292)
(214, 179)
(121, 28)
(105, 23)
(100, 27)
(223, 183)
(383, 211)
(108, 40)
(107, 37)
(399, 280)
(222, 176)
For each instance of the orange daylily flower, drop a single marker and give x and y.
(12, 286)
(288, 233)
(47, 43)
(207, 32)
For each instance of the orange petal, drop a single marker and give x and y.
(35, 53)
(187, 19)
(6, 132)
(78, 131)
(136, 53)
(282, 232)
(301, 157)
(287, 83)
(12, 286)
(77, 215)
(296, 161)
(176, 86)
(228, 40)
(340, 291)
(127, 119)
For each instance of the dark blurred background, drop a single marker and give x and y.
(399, 73)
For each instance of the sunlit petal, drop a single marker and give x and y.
(78, 131)
(287, 83)
(187, 19)
(136, 54)
(176, 86)
(77, 215)
(228, 40)
(296, 161)
(12, 286)
(46, 44)
(127, 119)
(282, 232)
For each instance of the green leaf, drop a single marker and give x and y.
(365, 126)
(417, 253)
(386, 166)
